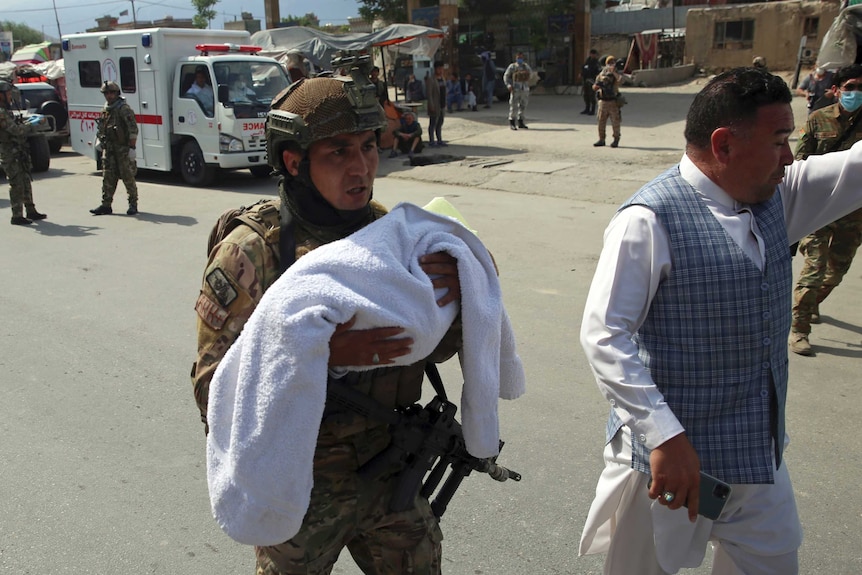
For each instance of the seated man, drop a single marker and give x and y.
(239, 89)
(202, 91)
(408, 136)
(415, 89)
(467, 91)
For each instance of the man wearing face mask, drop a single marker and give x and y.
(829, 251)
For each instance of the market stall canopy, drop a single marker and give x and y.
(319, 47)
(32, 53)
(838, 48)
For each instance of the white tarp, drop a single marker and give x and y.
(838, 48)
(319, 47)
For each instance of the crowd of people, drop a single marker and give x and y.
(684, 326)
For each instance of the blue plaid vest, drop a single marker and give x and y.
(715, 338)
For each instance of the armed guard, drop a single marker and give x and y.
(517, 79)
(118, 136)
(320, 137)
(15, 158)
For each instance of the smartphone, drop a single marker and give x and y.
(714, 494)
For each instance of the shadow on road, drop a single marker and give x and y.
(48, 228)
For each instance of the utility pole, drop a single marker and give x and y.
(57, 18)
(134, 16)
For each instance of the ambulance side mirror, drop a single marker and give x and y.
(223, 93)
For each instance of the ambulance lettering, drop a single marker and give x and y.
(250, 129)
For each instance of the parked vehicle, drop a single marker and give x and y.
(43, 98)
(155, 68)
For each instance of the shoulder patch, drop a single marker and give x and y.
(210, 312)
(221, 286)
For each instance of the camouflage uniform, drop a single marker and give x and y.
(116, 129)
(345, 509)
(15, 158)
(517, 79)
(829, 251)
(608, 107)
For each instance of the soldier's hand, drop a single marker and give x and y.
(377, 346)
(443, 270)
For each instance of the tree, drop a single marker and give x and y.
(310, 20)
(205, 12)
(21, 33)
(387, 10)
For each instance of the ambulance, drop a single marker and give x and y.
(200, 97)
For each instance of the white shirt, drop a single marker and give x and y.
(205, 95)
(636, 258)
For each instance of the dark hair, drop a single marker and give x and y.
(375, 69)
(847, 73)
(438, 65)
(732, 99)
(594, 51)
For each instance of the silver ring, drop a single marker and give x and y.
(668, 496)
(375, 359)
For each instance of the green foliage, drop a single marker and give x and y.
(205, 12)
(388, 10)
(21, 33)
(310, 20)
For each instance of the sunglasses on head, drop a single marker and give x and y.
(851, 87)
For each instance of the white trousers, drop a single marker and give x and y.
(758, 533)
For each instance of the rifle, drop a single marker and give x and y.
(425, 440)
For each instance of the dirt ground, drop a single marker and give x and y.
(555, 156)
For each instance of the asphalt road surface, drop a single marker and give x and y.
(102, 466)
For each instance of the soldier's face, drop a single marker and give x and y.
(342, 168)
(111, 96)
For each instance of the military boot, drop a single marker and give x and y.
(102, 211)
(615, 143)
(33, 214)
(512, 125)
(21, 221)
(599, 144)
(522, 125)
(133, 209)
(798, 343)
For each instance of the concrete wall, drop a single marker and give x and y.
(778, 28)
(602, 23)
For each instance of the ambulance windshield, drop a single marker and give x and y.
(252, 85)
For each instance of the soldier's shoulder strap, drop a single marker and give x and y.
(262, 217)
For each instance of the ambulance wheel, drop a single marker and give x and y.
(40, 154)
(260, 171)
(194, 169)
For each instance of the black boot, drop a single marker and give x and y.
(33, 214)
(133, 209)
(21, 221)
(522, 125)
(615, 143)
(512, 125)
(102, 210)
(585, 111)
(599, 144)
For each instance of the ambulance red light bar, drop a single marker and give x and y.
(205, 49)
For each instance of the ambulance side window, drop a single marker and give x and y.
(128, 81)
(90, 73)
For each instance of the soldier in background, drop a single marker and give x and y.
(118, 134)
(608, 87)
(589, 73)
(517, 79)
(15, 159)
(829, 251)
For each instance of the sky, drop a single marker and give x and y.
(78, 15)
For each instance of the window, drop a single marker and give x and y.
(128, 80)
(809, 28)
(90, 73)
(735, 34)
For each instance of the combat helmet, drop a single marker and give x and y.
(313, 109)
(110, 87)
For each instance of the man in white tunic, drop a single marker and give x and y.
(685, 328)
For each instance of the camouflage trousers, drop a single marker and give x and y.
(117, 166)
(348, 510)
(20, 190)
(828, 254)
(609, 109)
(518, 101)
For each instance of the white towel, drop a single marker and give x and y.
(267, 395)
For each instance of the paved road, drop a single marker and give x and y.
(101, 453)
